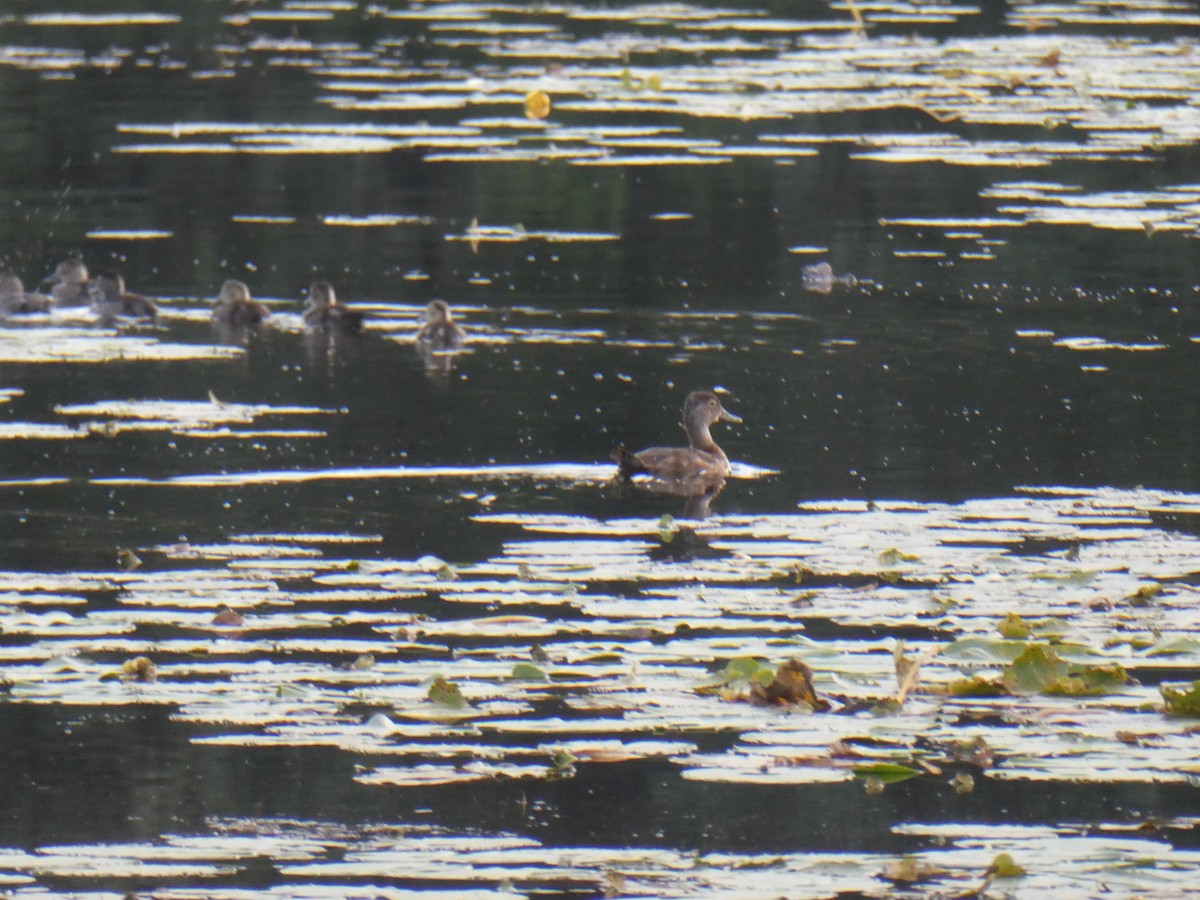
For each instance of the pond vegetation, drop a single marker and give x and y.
(350, 619)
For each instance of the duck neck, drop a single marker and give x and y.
(701, 439)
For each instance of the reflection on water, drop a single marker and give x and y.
(934, 255)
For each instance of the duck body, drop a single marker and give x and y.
(440, 332)
(70, 284)
(15, 300)
(322, 311)
(701, 459)
(235, 308)
(109, 299)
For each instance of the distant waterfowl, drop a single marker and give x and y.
(701, 459)
(440, 331)
(14, 299)
(109, 298)
(322, 310)
(235, 308)
(69, 282)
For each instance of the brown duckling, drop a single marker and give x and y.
(14, 299)
(440, 331)
(109, 298)
(322, 310)
(235, 308)
(70, 283)
(702, 459)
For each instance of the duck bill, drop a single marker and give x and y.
(727, 416)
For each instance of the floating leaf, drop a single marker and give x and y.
(1003, 866)
(527, 672)
(537, 105)
(446, 693)
(1173, 646)
(1040, 670)
(1014, 627)
(975, 686)
(909, 869)
(886, 773)
(1182, 701)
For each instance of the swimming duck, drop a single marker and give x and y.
(109, 298)
(71, 286)
(15, 299)
(322, 310)
(235, 308)
(702, 459)
(440, 331)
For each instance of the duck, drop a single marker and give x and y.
(14, 299)
(70, 283)
(322, 310)
(702, 459)
(440, 332)
(109, 298)
(235, 308)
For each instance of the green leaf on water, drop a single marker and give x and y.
(1014, 627)
(886, 773)
(893, 556)
(446, 693)
(527, 672)
(1036, 670)
(1039, 670)
(1003, 866)
(1183, 700)
(744, 670)
(1175, 645)
(983, 650)
(975, 687)
(667, 529)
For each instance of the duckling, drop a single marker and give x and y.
(109, 298)
(440, 331)
(702, 459)
(71, 286)
(235, 308)
(14, 299)
(322, 310)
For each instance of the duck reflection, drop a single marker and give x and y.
(439, 340)
(680, 542)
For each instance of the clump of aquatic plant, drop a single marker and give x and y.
(444, 692)
(140, 669)
(747, 678)
(1183, 700)
(791, 685)
(910, 870)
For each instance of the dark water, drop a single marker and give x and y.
(921, 381)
